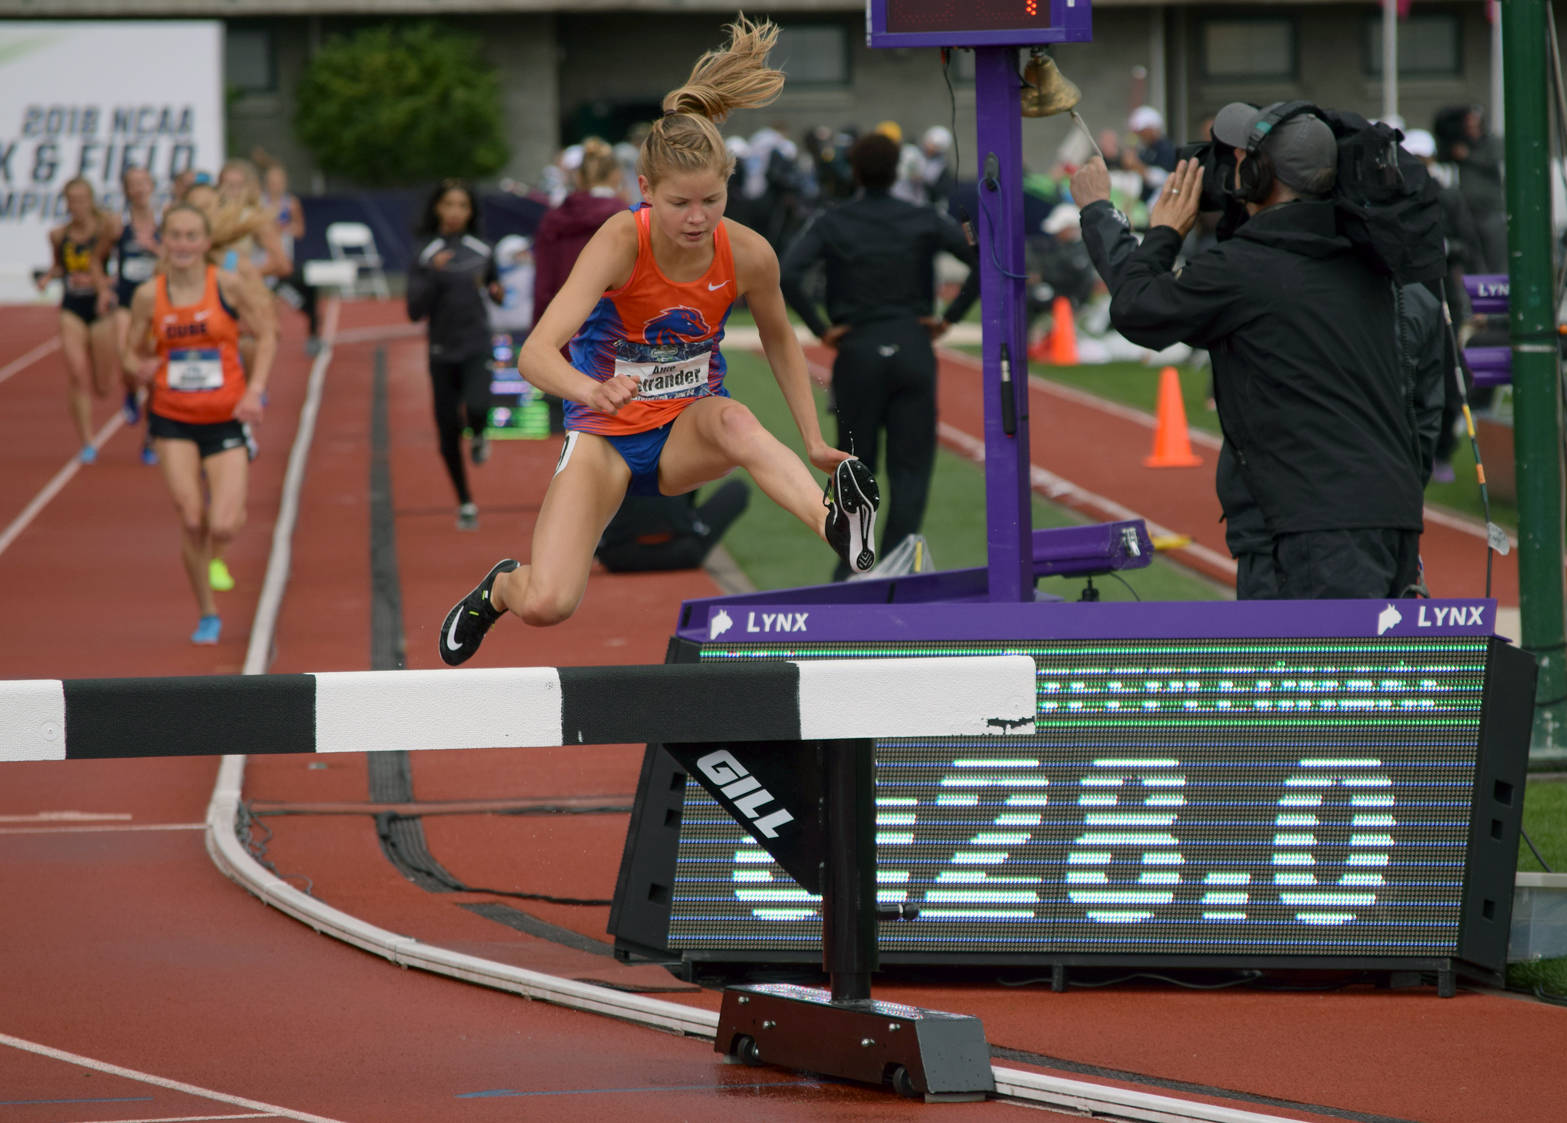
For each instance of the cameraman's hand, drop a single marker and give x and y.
(1090, 183)
(1176, 206)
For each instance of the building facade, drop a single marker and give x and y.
(595, 67)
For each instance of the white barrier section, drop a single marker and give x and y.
(961, 696)
(34, 720)
(511, 707)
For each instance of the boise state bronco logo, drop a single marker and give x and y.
(676, 325)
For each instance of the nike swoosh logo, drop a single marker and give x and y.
(451, 635)
(715, 288)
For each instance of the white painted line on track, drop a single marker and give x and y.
(111, 828)
(378, 334)
(159, 1081)
(54, 486)
(22, 362)
(258, 655)
(1054, 488)
(1464, 524)
(192, 1118)
(68, 817)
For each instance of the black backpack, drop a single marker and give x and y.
(1386, 201)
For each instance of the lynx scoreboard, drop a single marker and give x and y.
(1222, 784)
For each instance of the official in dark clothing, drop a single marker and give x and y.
(879, 256)
(1327, 375)
(658, 532)
(452, 275)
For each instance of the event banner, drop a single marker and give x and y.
(89, 99)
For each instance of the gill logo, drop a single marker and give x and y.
(743, 790)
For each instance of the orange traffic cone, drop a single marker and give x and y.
(1063, 334)
(1172, 446)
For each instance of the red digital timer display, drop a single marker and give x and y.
(916, 16)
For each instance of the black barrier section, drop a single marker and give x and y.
(759, 702)
(208, 715)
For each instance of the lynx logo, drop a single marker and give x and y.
(1388, 618)
(776, 622)
(719, 624)
(1462, 615)
(743, 790)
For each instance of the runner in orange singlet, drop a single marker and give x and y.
(644, 311)
(201, 404)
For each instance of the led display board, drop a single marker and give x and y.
(1294, 800)
(972, 23)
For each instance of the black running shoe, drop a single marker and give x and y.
(851, 500)
(465, 625)
(480, 449)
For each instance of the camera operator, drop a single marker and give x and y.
(1327, 375)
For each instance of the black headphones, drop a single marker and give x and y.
(1256, 171)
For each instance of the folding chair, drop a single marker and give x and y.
(353, 241)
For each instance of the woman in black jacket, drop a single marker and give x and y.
(451, 276)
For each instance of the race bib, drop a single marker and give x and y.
(196, 371)
(668, 376)
(137, 269)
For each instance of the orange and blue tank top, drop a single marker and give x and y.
(200, 380)
(665, 332)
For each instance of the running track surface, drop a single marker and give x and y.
(140, 984)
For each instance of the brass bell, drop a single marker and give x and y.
(1046, 90)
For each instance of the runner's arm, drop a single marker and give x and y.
(253, 302)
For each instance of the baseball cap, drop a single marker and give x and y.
(1419, 142)
(1145, 117)
(1303, 149)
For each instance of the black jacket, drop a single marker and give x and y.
(880, 256)
(1325, 427)
(454, 296)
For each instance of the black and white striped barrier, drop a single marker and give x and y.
(369, 711)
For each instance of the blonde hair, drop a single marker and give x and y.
(247, 170)
(599, 167)
(99, 215)
(736, 76)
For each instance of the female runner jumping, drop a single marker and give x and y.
(644, 310)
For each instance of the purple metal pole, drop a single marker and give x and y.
(999, 126)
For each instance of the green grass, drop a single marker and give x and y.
(1135, 384)
(1545, 822)
(1545, 977)
(776, 551)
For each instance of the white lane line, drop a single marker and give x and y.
(377, 334)
(258, 655)
(106, 829)
(192, 1118)
(54, 486)
(1059, 490)
(159, 1081)
(1462, 523)
(67, 817)
(21, 363)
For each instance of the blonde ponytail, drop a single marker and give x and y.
(736, 76)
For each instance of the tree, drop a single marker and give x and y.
(401, 104)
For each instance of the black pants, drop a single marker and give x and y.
(657, 532)
(462, 398)
(884, 379)
(296, 294)
(1332, 565)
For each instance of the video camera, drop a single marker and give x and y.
(1218, 183)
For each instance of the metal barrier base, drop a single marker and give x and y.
(926, 1053)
